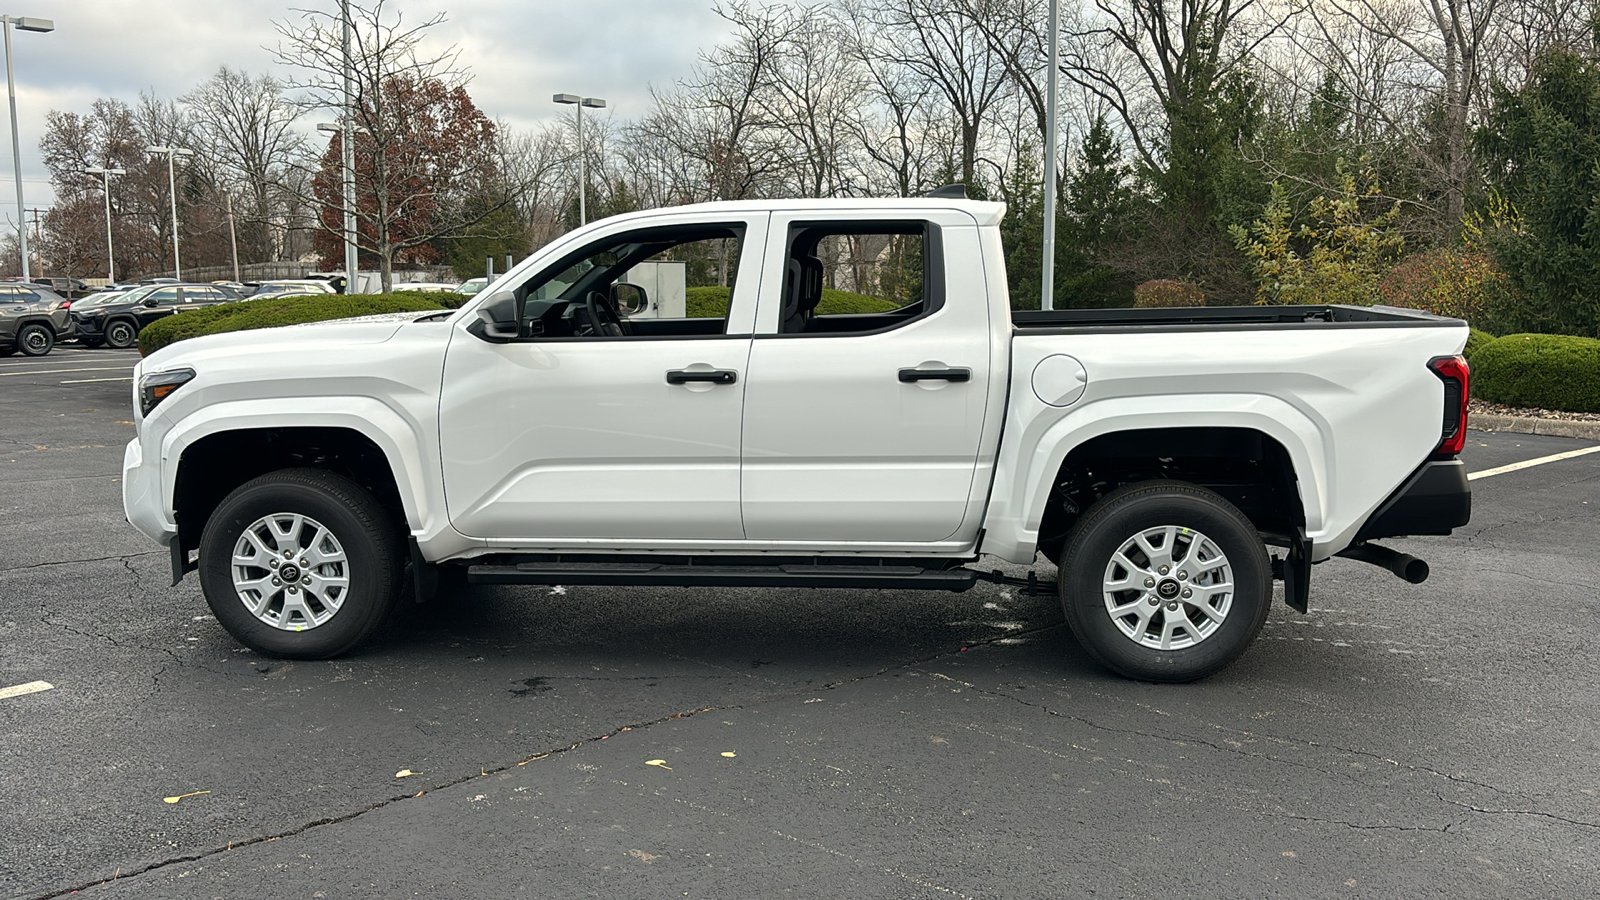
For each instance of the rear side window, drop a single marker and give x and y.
(845, 278)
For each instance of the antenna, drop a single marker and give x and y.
(949, 191)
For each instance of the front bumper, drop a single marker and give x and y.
(1435, 500)
(142, 501)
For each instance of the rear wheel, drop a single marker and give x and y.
(35, 339)
(120, 334)
(300, 564)
(1165, 581)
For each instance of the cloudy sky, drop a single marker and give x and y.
(519, 53)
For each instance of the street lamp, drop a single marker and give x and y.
(105, 183)
(583, 179)
(1047, 280)
(23, 23)
(347, 155)
(172, 187)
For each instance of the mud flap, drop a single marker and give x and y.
(1295, 570)
(181, 565)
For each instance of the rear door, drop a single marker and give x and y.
(868, 381)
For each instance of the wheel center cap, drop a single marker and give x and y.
(289, 574)
(1167, 589)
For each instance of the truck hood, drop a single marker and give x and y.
(270, 341)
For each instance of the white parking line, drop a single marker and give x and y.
(93, 380)
(63, 371)
(1528, 464)
(17, 690)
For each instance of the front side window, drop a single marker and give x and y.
(164, 296)
(669, 281)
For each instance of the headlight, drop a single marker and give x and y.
(158, 386)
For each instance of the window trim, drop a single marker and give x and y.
(933, 269)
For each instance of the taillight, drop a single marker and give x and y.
(1452, 370)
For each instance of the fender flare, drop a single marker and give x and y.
(1018, 510)
(398, 438)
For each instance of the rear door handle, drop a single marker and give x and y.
(911, 375)
(714, 376)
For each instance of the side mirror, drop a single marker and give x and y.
(497, 318)
(150, 304)
(629, 299)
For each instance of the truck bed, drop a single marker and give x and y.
(1223, 318)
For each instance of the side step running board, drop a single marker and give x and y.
(670, 575)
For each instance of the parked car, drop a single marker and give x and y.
(471, 286)
(289, 287)
(116, 322)
(427, 287)
(1155, 454)
(32, 319)
(70, 288)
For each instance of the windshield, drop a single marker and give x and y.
(134, 295)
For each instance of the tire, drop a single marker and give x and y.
(1166, 625)
(331, 526)
(34, 339)
(120, 334)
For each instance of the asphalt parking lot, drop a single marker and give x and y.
(1441, 740)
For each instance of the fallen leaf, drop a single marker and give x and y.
(644, 857)
(181, 796)
(405, 773)
(729, 754)
(658, 763)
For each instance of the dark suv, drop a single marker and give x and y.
(116, 323)
(32, 319)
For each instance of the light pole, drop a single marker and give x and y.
(105, 183)
(172, 187)
(349, 176)
(583, 178)
(1047, 280)
(23, 23)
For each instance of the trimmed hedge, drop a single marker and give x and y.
(271, 312)
(1477, 339)
(1164, 293)
(1542, 371)
(712, 302)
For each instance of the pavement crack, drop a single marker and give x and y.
(1518, 812)
(125, 874)
(72, 562)
(1358, 826)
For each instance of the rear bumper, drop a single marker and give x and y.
(1435, 500)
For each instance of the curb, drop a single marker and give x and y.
(1526, 425)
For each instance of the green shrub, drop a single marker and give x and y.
(712, 302)
(1543, 371)
(446, 299)
(1477, 339)
(1460, 284)
(707, 302)
(1166, 293)
(271, 312)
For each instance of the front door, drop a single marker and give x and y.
(592, 427)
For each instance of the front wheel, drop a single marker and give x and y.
(35, 339)
(120, 334)
(1165, 581)
(300, 564)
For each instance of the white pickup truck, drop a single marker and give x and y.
(540, 436)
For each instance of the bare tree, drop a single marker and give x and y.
(402, 175)
(251, 139)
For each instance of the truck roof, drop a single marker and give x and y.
(984, 211)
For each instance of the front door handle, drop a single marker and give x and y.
(911, 375)
(714, 376)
